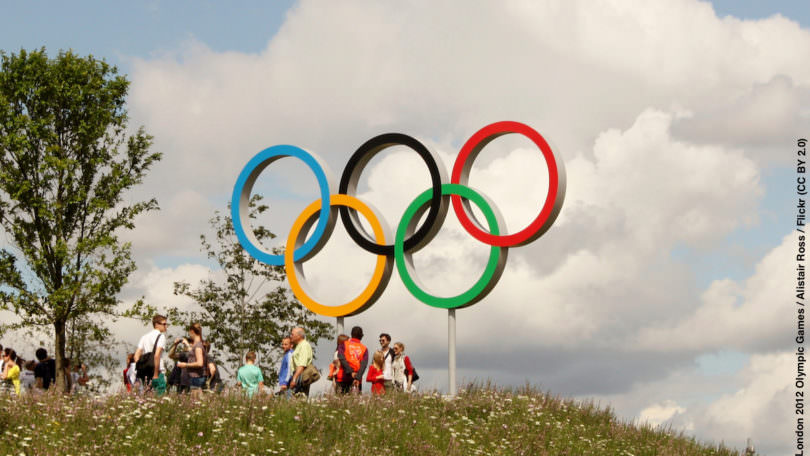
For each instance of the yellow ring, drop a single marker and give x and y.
(372, 290)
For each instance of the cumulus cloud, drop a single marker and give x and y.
(730, 309)
(663, 113)
(658, 413)
(756, 409)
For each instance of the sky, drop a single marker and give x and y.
(662, 290)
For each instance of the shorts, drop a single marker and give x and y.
(159, 384)
(197, 382)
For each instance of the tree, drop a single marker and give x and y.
(66, 163)
(250, 309)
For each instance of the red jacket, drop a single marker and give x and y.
(377, 384)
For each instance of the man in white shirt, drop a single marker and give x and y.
(388, 358)
(154, 340)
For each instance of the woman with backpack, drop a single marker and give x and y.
(404, 373)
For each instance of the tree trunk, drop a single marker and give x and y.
(59, 355)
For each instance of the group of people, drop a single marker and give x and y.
(27, 376)
(390, 369)
(195, 371)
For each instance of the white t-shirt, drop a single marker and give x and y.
(132, 376)
(148, 341)
(388, 371)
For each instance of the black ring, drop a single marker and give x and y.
(348, 186)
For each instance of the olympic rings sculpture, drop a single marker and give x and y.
(408, 238)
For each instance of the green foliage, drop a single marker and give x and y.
(478, 422)
(249, 309)
(66, 163)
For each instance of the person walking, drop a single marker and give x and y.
(153, 342)
(301, 358)
(249, 376)
(353, 356)
(285, 370)
(196, 364)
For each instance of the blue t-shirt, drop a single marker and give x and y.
(250, 376)
(285, 372)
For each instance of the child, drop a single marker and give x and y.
(335, 369)
(129, 372)
(375, 374)
(250, 376)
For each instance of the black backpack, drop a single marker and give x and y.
(145, 367)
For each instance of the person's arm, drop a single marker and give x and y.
(173, 349)
(137, 355)
(158, 351)
(295, 376)
(39, 382)
(198, 359)
(261, 386)
(363, 364)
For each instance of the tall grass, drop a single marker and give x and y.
(481, 420)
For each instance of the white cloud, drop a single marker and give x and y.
(733, 314)
(156, 285)
(760, 409)
(658, 413)
(661, 111)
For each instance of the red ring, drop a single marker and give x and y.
(461, 171)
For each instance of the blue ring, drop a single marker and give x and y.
(241, 194)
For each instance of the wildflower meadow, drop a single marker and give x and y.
(479, 421)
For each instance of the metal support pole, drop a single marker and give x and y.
(339, 327)
(451, 350)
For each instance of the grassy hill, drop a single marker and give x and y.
(480, 421)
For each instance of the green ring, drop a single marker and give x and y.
(483, 285)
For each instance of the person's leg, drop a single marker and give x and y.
(197, 384)
(159, 384)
